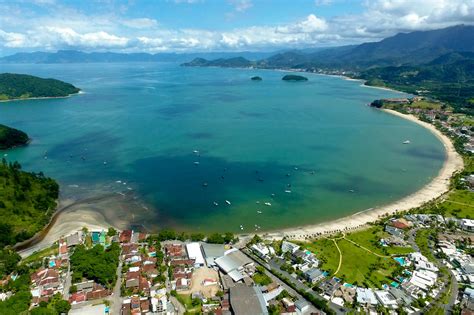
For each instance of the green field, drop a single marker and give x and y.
(359, 266)
(369, 238)
(460, 203)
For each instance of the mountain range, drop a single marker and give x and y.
(402, 49)
(74, 56)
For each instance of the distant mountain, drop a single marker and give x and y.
(402, 49)
(74, 56)
(237, 62)
(22, 86)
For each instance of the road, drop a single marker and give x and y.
(177, 305)
(275, 265)
(115, 299)
(67, 282)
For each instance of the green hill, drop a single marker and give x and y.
(22, 86)
(10, 137)
(27, 201)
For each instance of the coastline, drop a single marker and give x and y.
(39, 98)
(434, 189)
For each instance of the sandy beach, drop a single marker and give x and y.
(437, 187)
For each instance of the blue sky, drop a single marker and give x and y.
(215, 25)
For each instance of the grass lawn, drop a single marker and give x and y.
(460, 203)
(358, 265)
(186, 300)
(369, 238)
(326, 252)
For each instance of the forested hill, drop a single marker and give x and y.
(22, 86)
(10, 137)
(27, 202)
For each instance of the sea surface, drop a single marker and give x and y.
(176, 140)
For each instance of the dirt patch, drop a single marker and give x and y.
(199, 275)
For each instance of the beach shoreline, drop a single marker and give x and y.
(40, 98)
(434, 189)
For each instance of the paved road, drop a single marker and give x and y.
(67, 283)
(177, 305)
(115, 299)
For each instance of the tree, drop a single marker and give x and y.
(111, 232)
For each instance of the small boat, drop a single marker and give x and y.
(268, 204)
(258, 202)
(312, 172)
(195, 151)
(273, 195)
(124, 183)
(406, 142)
(228, 202)
(288, 175)
(196, 163)
(259, 212)
(105, 162)
(296, 168)
(204, 184)
(222, 177)
(118, 181)
(351, 190)
(215, 203)
(129, 188)
(288, 191)
(241, 227)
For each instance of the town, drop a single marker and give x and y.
(129, 272)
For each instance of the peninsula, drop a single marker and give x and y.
(11, 137)
(21, 86)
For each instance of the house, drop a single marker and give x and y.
(386, 299)
(62, 248)
(132, 278)
(346, 293)
(183, 284)
(125, 236)
(313, 275)
(467, 225)
(394, 231)
(289, 247)
(302, 306)
(401, 296)
(245, 300)
(175, 252)
(262, 250)
(329, 286)
(77, 297)
(74, 239)
(366, 297)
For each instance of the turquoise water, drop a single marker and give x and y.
(317, 139)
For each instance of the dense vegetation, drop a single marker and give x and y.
(27, 201)
(449, 78)
(22, 86)
(10, 137)
(96, 264)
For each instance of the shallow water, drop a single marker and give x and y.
(317, 139)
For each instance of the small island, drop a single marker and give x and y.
(21, 86)
(294, 77)
(11, 137)
(256, 78)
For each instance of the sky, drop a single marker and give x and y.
(155, 26)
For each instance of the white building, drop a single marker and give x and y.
(366, 296)
(386, 299)
(467, 225)
(289, 247)
(194, 252)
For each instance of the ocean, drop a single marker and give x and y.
(207, 149)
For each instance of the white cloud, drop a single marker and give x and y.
(69, 28)
(309, 25)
